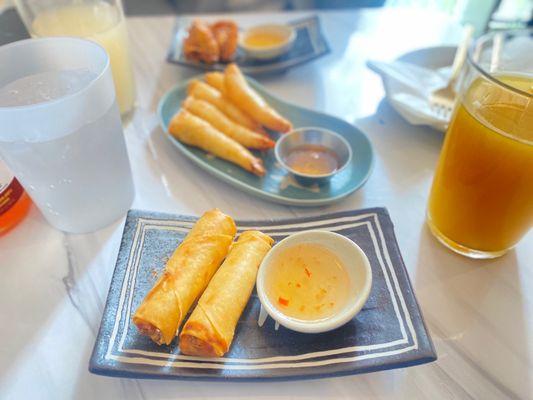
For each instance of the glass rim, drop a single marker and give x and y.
(483, 39)
(68, 97)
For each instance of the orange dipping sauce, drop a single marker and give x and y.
(312, 159)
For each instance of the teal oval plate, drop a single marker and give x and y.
(278, 185)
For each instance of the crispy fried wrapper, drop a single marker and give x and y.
(226, 34)
(215, 79)
(220, 121)
(186, 275)
(248, 100)
(203, 91)
(196, 132)
(209, 330)
(201, 44)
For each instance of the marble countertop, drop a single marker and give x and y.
(480, 313)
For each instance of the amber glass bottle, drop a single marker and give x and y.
(14, 201)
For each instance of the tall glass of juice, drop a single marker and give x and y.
(99, 20)
(481, 201)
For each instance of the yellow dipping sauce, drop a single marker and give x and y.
(264, 39)
(307, 282)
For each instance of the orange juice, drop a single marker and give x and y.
(482, 194)
(101, 22)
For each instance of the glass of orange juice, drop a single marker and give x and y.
(99, 20)
(481, 201)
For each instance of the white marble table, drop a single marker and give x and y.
(480, 313)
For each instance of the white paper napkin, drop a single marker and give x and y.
(408, 88)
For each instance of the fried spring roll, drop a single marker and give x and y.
(201, 44)
(186, 275)
(215, 79)
(218, 119)
(248, 100)
(226, 34)
(196, 132)
(203, 91)
(209, 330)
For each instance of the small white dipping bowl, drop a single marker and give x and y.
(357, 267)
(266, 53)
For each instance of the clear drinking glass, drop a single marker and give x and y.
(481, 202)
(60, 131)
(99, 20)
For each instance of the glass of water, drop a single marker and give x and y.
(60, 131)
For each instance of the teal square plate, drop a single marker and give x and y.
(278, 185)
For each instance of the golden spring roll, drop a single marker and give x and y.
(226, 34)
(203, 91)
(209, 330)
(186, 275)
(215, 79)
(249, 101)
(215, 117)
(196, 132)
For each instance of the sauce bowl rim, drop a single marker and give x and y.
(279, 158)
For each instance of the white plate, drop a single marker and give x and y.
(435, 58)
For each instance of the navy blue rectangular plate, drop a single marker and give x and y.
(389, 332)
(309, 44)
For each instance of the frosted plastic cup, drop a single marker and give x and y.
(60, 131)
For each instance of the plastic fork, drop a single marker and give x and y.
(442, 100)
